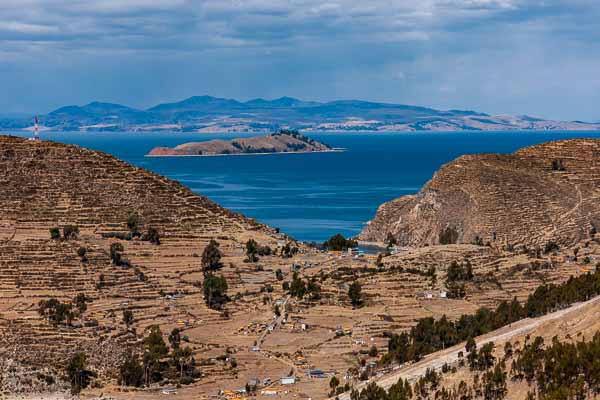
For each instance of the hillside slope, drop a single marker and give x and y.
(536, 195)
(47, 185)
(569, 325)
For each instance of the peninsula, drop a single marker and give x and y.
(281, 142)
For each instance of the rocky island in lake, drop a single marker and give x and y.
(280, 142)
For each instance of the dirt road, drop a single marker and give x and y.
(450, 355)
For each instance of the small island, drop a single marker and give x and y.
(284, 141)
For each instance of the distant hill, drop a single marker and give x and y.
(213, 114)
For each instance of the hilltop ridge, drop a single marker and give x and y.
(213, 114)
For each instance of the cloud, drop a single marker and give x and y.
(487, 51)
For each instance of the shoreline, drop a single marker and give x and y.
(334, 150)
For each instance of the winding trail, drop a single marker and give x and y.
(450, 355)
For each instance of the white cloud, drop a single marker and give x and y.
(312, 48)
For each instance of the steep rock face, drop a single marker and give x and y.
(542, 193)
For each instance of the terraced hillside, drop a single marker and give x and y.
(47, 185)
(536, 195)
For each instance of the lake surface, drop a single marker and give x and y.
(311, 196)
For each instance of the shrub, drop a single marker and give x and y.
(297, 287)
(215, 288)
(70, 232)
(152, 236)
(251, 251)
(80, 302)
(131, 371)
(339, 243)
(79, 376)
(81, 252)
(133, 222)
(459, 272)
(55, 311)
(211, 257)
(550, 247)
(288, 251)
(557, 165)
(448, 235)
(116, 250)
(128, 317)
(373, 351)
(279, 274)
(355, 294)
(55, 233)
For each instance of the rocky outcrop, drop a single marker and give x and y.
(286, 142)
(542, 193)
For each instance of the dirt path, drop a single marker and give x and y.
(276, 325)
(450, 355)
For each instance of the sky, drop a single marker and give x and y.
(535, 57)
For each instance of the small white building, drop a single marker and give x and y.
(288, 380)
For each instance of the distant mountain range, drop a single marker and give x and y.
(212, 114)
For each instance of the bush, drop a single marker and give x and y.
(557, 165)
(55, 233)
(81, 252)
(78, 375)
(128, 317)
(116, 250)
(264, 251)
(80, 302)
(459, 272)
(211, 257)
(550, 247)
(251, 251)
(297, 287)
(373, 351)
(133, 222)
(448, 235)
(55, 311)
(339, 243)
(70, 232)
(355, 294)
(131, 371)
(152, 236)
(288, 251)
(215, 288)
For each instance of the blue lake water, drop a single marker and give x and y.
(311, 196)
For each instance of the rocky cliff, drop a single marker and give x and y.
(539, 194)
